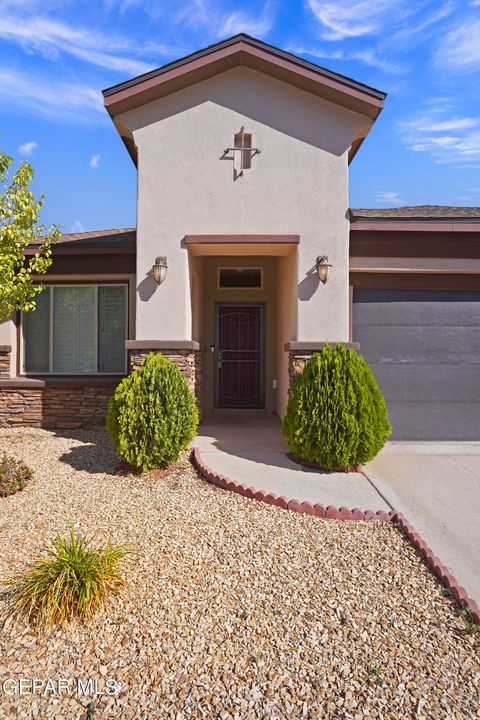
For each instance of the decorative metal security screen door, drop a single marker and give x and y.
(239, 356)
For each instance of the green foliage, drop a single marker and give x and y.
(471, 627)
(336, 415)
(19, 226)
(153, 415)
(72, 580)
(14, 475)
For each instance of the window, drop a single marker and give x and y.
(76, 329)
(243, 277)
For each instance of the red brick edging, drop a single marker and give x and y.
(332, 513)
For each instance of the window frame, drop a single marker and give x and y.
(50, 372)
(240, 267)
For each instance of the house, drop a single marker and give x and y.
(242, 152)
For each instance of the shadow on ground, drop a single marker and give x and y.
(95, 454)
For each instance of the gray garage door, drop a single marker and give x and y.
(424, 349)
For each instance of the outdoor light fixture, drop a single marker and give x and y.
(323, 266)
(159, 269)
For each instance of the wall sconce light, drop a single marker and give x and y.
(323, 268)
(159, 270)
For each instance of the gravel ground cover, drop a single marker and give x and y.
(236, 609)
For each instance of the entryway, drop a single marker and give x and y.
(239, 355)
(250, 449)
(243, 304)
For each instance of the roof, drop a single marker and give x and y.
(250, 43)
(249, 52)
(112, 236)
(417, 212)
(113, 240)
(415, 217)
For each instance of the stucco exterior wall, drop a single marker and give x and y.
(299, 184)
(286, 323)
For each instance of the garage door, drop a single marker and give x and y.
(424, 349)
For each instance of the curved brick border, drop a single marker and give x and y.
(439, 570)
(330, 512)
(281, 501)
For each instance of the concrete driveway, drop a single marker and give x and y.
(437, 486)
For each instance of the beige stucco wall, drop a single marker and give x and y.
(286, 319)
(299, 184)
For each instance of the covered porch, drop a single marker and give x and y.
(243, 293)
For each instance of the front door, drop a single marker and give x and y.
(239, 359)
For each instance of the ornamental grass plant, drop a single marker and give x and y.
(74, 579)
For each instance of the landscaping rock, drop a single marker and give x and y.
(236, 609)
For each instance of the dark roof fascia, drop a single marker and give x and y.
(417, 225)
(254, 42)
(86, 249)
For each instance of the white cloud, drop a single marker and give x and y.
(206, 18)
(433, 123)
(389, 197)
(409, 29)
(367, 56)
(28, 148)
(370, 57)
(94, 161)
(344, 19)
(471, 194)
(77, 227)
(460, 48)
(449, 139)
(51, 38)
(239, 21)
(52, 98)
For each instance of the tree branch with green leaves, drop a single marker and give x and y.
(19, 228)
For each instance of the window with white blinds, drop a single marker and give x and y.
(76, 329)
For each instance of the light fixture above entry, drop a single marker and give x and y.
(323, 268)
(159, 270)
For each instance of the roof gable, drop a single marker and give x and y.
(249, 52)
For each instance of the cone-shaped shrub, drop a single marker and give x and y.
(153, 415)
(336, 415)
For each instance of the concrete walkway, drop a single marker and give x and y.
(437, 487)
(250, 449)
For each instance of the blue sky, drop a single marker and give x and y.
(56, 57)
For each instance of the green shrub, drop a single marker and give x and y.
(336, 415)
(14, 475)
(153, 415)
(72, 580)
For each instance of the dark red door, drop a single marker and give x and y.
(239, 356)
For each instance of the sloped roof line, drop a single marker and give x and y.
(254, 42)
